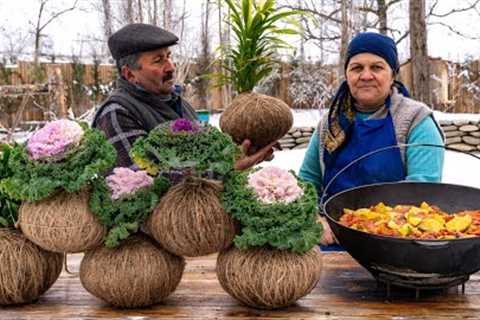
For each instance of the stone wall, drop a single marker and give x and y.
(296, 138)
(462, 135)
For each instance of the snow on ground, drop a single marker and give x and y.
(462, 169)
(456, 116)
(310, 118)
(458, 168)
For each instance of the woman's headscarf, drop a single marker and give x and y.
(341, 112)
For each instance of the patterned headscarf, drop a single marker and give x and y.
(341, 113)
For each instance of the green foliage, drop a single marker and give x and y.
(38, 73)
(208, 150)
(8, 206)
(282, 226)
(78, 88)
(123, 217)
(35, 180)
(254, 25)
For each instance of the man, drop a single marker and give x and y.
(145, 95)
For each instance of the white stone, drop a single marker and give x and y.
(297, 134)
(286, 140)
(307, 129)
(462, 147)
(301, 146)
(453, 140)
(452, 134)
(302, 140)
(288, 145)
(471, 140)
(449, 128)
(475, 133)
(468, 128)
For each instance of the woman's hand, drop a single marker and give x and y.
(327, 237)
(251, 156)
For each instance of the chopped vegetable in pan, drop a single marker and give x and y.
(406, 221)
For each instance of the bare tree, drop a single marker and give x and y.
(224, 27)
(154, 12)
(380, 9)
(419, 52)
(128, 11)
(140, 10)
(205, 55)
(107, 18)
(13, 44)
(345, 35)
(42, 22)
(167, 14)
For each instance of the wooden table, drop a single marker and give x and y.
(345, 291)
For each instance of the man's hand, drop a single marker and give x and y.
(251, 156)
(327, 237)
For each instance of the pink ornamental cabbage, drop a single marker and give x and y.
(125, 181)
(272, 184)
(54, 138)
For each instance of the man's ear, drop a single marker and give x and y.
(128, 74)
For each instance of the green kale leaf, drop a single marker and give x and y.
(33, 180)
(123, 216)
(279, 225)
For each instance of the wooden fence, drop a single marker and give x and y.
(81, 86)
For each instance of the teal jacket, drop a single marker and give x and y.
(422, 163)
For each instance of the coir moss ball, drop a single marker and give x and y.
(268, 278)
(26, 270)
(136, 274)
(62, 222)
(190, 219)
(260, 118)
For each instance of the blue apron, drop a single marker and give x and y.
(364, 136)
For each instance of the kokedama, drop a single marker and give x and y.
(189, 219)
(261, 119)
(52, 174)
(275, 260)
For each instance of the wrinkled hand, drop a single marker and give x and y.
(251, 156)
(327, 237)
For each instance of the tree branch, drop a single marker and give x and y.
(56, 15)
(453, 11)
(314, 12)
(453, 30)
(391, 3)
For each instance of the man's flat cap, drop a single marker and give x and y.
(139, 37)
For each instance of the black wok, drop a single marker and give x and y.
(415, 259)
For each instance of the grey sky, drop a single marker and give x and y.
(67, 31)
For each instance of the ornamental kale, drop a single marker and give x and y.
(33, 180)
(54, 138)
(184, 125)
(272, 184)
(123, 216)
(185, 148)
(285, 226)
(8, 206)
(125, 181)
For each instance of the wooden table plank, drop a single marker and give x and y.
(345, 291)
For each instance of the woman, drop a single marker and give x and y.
(371, 111)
